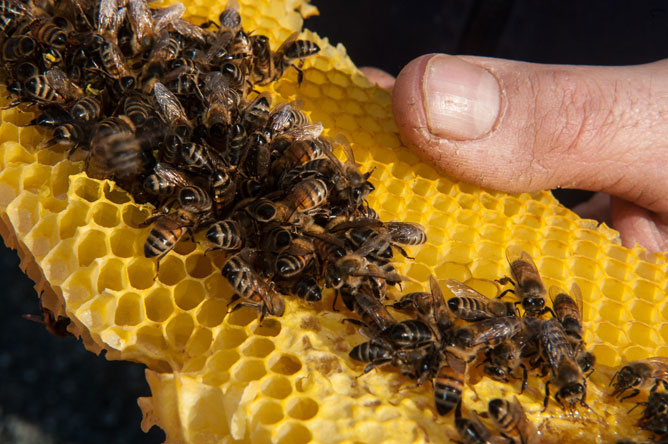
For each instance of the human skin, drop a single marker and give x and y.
(523, 127)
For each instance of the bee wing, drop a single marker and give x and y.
(328, 238)
(280, 117)
(221, 42)
(105, 14)
(187, 29)
(163, 17)
(15, 7)
(308, 131)
(372, 244)
(343, 141)
(515, 253)
(660, 364)
(281, 49)
(171, 174)
(167, 104)
(357, 223)
(140, 19)
(462, 290)
(57, 78)
(230, 18)
(555, 291)
(436, 291)
(456, 363)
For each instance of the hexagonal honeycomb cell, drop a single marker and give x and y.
(217, 376)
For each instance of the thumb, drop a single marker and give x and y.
(518, 127)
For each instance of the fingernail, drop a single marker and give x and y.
(461, 100)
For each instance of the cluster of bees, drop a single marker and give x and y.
(639, 376)
(168, 109)
(447, 340)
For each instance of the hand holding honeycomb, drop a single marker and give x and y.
(218, 376)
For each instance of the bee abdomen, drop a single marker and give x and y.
(225, 234)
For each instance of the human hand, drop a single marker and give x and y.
(522, 127)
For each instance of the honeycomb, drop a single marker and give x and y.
(219, 377)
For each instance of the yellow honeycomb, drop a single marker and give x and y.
(218, 377)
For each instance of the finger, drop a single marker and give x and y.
(638, 225)
(597, 208)
(518, 127)
(378, 77)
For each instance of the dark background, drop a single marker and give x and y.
(52, 391)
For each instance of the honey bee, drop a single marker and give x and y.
(164, 235)
(639, 375)
(307, 195)
(229, 19)
(240, 46)
(237, 77)
(449, 384)
(503, 360)
(512, 422)
(412, 362)
(406, 233)
(166, 48)
(86, 109)
(295, 258)
(197, 156)
(235, 150)
(51, 117)
(57, 326)
(70, 133)
(141, 22)
(291, 50)
(17, 48)
(568, 309)
(557, 354)
(527, 282)
(163, 17)
(472, 306)
(655, 416)
(114, 63)
(299, 152)
(467, 340)
(430, 306)
(223, 102)
(194, 199)
(252, 289)
(285, 116)
(375, 317)
(165, 180)
(353, 269)
(256, 113)
(117, 155)
(308, 289)
(263, 62)
(62, 84)
(169, 107)
(226, 235)
(223, 189)
(410, 332)
(138, 110)
(50, 34)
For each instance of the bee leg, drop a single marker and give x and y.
(402, 251)
(547, 396)
(506, 280)
(633, 393)
(354, 322)
(525, 376)
(300, 74)
(505, 292)
(336, 296)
